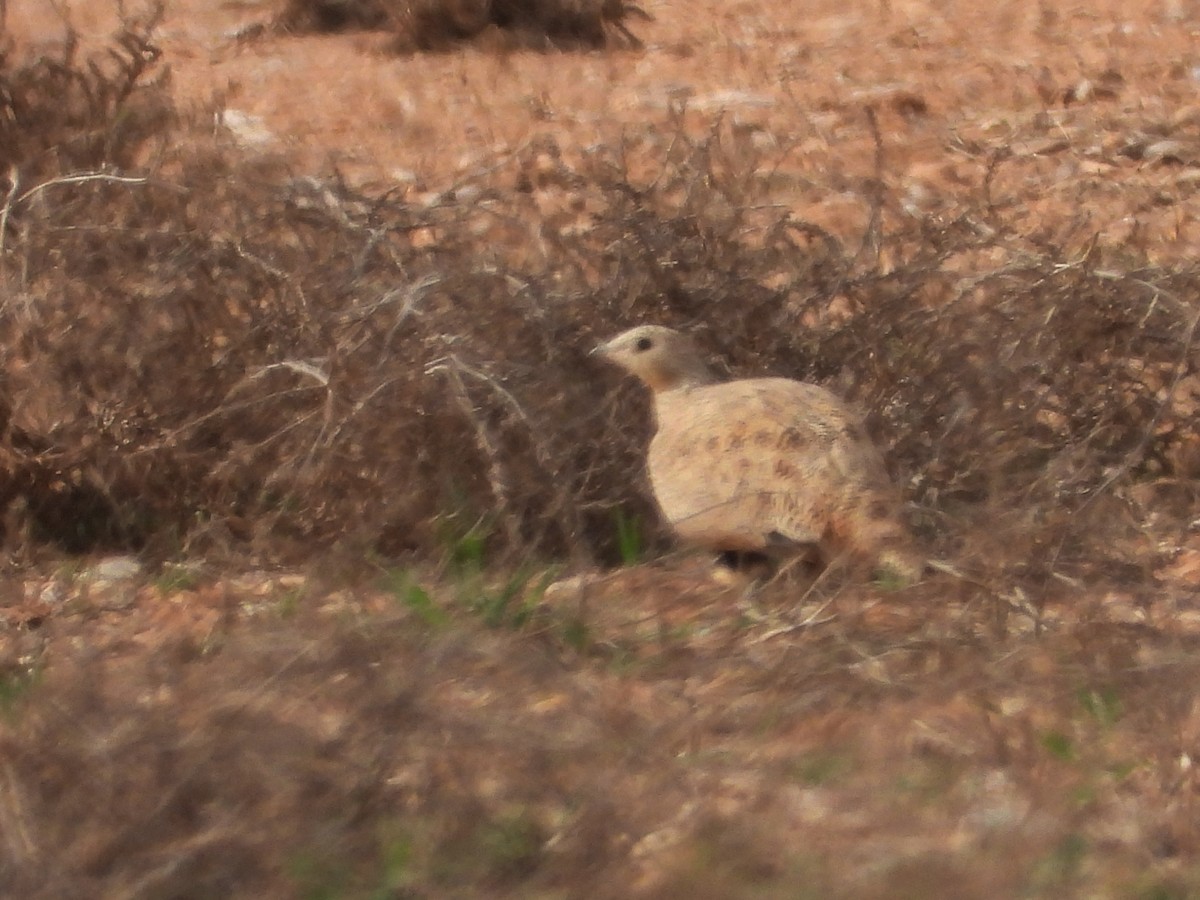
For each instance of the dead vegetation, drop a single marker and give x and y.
(421, 25)
(208, 357)
(289, 362)
(303, 16)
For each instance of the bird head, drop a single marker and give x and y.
(662, 358)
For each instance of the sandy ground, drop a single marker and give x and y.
(1092, 108)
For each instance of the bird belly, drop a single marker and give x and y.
(725, 508)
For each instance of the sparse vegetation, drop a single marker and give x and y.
(210, 356)
(408, 592)
(629, 537)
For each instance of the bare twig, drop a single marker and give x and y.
(14, 178)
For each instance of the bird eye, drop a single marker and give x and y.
(644, 344)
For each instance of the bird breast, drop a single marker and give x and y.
(740, 464)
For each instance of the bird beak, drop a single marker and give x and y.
(598, 350)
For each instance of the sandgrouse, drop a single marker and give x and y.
(762, 465)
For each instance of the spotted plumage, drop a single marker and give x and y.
(761, 465)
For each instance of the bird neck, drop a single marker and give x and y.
(680, 374)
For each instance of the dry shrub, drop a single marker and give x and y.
(305, 16)
(538, 24)
(222, 356)
(442, 24)
(63, 113)
(1019, 392)
(67, 121)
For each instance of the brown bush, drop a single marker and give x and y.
(335, 15)
(219, 355)
(441, 24)
(62, 113)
